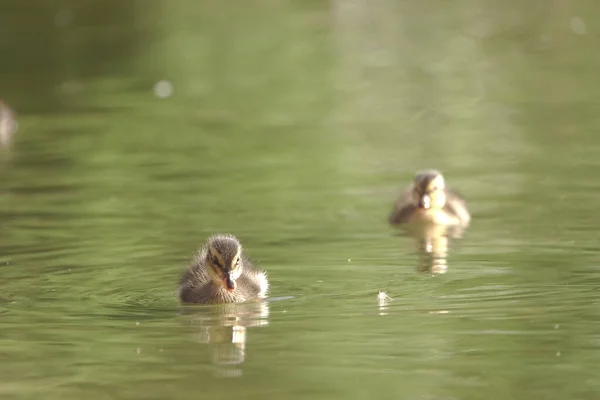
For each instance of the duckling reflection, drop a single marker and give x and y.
(432, 249)
(428, 200)
(432, 245)
(224, 328)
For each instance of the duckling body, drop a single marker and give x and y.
(222, 274)
(428, 201)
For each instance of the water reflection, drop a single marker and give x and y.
(224, 329)
(432, 244)
(383, 300)
(8, 124)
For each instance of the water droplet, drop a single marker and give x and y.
(63, 18)
(163, 89)
(383, 296)
(578, 25)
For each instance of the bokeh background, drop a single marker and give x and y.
(145, 126)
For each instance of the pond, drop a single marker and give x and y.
(145, 127)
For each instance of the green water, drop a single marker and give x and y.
(294, 125)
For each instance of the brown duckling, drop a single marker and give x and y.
(428, 200)
(222, 274)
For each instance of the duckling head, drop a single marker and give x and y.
(429, 190)
(224, 260)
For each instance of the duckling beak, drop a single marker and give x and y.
(425, 202)
(229, 283)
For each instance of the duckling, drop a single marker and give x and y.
(222, 274)
(428, 200)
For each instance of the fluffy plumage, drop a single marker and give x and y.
(221, 273)
(429, 200)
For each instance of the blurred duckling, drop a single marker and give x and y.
(428, 200)
(222, 274)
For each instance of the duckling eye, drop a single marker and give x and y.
(215, 261)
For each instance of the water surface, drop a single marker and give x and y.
(294, 127)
